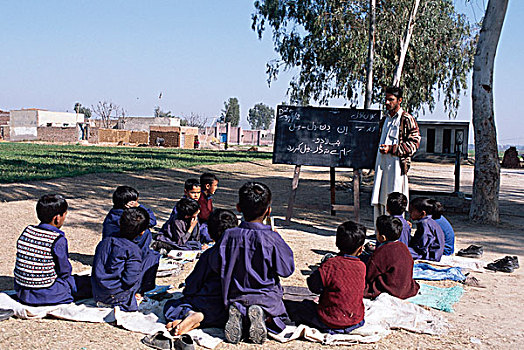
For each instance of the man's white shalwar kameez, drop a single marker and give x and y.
(388, 176)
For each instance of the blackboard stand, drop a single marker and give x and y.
(355, 208)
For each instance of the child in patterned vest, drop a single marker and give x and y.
(42, 268)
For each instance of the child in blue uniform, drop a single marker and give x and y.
(127, 197)
(396, 206)
(117, 266)
(191, 190)
(42, 268)
(428, 241)
(449, 233)
(202, 304)
(252, 259)
(183, 233)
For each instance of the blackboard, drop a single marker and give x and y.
(326, 136)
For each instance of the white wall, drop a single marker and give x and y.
(59, 118)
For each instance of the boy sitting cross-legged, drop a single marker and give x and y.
(202, 304)
(42, 269)
(127, 197)
(340, 281)
(117, 266)
(191, 190)
(390, 268)
(252, 259)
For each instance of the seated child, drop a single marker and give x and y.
(428, 241)
(209, 185)
(396, 206)
(117, 266)
(183, 233)
(191, 190)
(390, 268)
(252, 259)
(202, 304)
(340, 281)
(127, 197)
(42, 268)
(449, 233)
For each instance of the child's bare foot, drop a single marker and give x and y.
(189, 323)
(171, 325)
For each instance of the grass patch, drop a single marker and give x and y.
(29, 161)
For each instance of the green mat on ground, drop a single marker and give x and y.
(437, 298)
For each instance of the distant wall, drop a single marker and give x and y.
(23, 125)
(139, 137)
(171, 138)
(62, 119)
(113, 136)
(144, 123)
(57, 134)
(4, 133)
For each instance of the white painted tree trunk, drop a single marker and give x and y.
(486, 181)
(371, 53)
(404, 43)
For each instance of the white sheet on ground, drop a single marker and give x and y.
(470, 264)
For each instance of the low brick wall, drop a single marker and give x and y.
(171, 138)
(92, 137)
(4, 133)
(139, 137)
(57, 134)
(164, 128)
(113, 136)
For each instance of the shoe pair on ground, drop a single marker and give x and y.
(257, 325)
(473, 251)
(506, 264)
(161, 342)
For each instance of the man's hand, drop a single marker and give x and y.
(385, 149)
(132, 204)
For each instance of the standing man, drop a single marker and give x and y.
(399, 140)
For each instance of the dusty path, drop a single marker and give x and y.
(491, 314)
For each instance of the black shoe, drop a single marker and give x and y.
(502, 265)
(473, 251)
(158, 341)
(5, 314)
(257, 324)
(233, 328)
(513, 260)
(185, 342)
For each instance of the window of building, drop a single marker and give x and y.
(430, 141)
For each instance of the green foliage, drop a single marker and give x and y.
(161, 113)
(261, 116)
(327, 42)
(81, 109)
(26, 161)
(231, 112)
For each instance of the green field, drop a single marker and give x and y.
(29, 161)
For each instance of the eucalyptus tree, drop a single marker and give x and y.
(326, 43)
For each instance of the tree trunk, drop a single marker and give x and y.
(486, 182)
(404, 43)
(371, 52)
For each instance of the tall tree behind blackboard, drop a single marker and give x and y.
(326, 136)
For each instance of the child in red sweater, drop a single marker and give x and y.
(340, 281)
(390, 268)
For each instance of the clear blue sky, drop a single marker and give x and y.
(197, 53)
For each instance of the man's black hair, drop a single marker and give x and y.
(191, 183)
(397, 203)
(186, 207)
(423, 204)
(133, 222)
(350, 237)
(124, 195)
(389, 226)
(207, 179)
(395, 91)
(219, 221)
(437, 210)
(253, 199)
(49, 206)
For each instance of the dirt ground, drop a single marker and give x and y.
(491, 314)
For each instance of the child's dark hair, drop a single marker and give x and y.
(49, 206)
(422, 204)
(219, 221)
(191, 183)
(186, 207)
(253, 199)
(389, 226)
(124, 195)
(207, 179)
(438, 209)
(397, 203)
(133, 222)
(350, 237)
